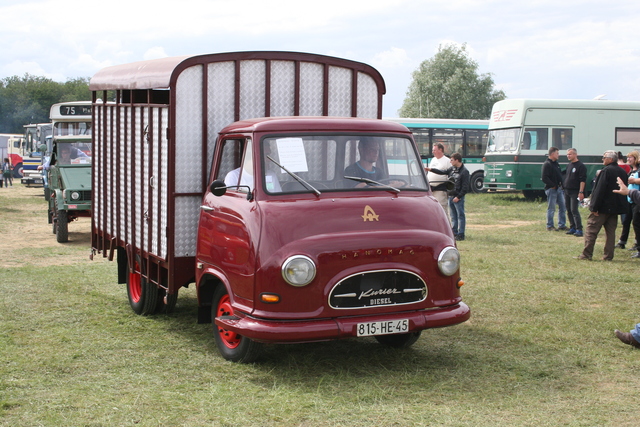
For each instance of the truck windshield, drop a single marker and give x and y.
(321, 163)
(73, 153)
(503, 140)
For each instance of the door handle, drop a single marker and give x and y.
(207, 208)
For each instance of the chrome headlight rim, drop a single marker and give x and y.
(298, 263)
(75, 195)
(449, 261)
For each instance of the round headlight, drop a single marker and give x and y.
(75, 195)
(449, 261)
(298, 270)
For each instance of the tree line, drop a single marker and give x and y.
(446, 86)
(28, 99)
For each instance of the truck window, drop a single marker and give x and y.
(236, 164)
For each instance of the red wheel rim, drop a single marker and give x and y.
(135, 287)
(230, 339)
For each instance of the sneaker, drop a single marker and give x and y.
(578, 233)
(551, 229)
(582, 257)
(571, 231)
(620, 245)
(459, 237)
(636, 255)
(563, 228)
(634, 248)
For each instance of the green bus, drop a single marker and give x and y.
(521, 131)
(467, 137)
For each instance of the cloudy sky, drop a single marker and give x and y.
(576, 49)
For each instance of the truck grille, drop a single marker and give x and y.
(378, 288)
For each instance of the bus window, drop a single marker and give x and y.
(450, 138)
(503, 140)
(535, 139)
(627, 136)
(562, 138)
(421, 136)
(476, 143)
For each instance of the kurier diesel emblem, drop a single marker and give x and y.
(369, 214)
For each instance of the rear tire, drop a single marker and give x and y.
(399, 340)
(231, 346)
(143, 296)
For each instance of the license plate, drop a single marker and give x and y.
(383, 328)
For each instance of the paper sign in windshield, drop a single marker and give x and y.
(291, 154)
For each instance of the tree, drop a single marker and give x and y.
(28, 99)
(448, 86)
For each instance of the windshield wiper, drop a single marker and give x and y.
(297, 178)
(370, 181)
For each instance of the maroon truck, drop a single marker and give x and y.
(268, 179)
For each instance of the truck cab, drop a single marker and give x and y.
(69, 181)
(322, 228)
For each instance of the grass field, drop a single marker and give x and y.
(539, 349)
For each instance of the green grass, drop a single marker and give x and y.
(538, 350)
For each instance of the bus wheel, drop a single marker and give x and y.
(143, 296)
(231, 346)
(477, 182)
(61, 227)
(399, 340)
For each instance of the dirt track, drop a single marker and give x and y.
(26, 237)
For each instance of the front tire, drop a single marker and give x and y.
(143, 296)
(399, 340)
(61, 227)
(477, 182)
(231, 346)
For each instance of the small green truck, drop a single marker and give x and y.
(69, 177)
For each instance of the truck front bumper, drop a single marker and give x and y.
(275, 331)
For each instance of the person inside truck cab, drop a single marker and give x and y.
(66, 153)
(243, 176)
(369, 151)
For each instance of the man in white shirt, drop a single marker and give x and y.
(439, 182)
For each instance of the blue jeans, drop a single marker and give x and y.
(458, 219)
(635, 332)
(553, 197)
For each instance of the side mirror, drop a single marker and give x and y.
(218, 188)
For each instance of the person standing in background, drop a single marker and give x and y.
(605, 206)
(552, 178)
(575, 180)
(439, 182)
(632, 161)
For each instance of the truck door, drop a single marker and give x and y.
(229, 225)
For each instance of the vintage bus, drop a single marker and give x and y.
(521, 131)
(467, 137)
(71, 119)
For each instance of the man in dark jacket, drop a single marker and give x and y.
(575, 180)
(552, 178)
(461, 178)
(605, 206)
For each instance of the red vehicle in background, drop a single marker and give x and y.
(251, 175)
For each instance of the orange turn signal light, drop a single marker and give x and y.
(460, 283)
(270, 298)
